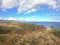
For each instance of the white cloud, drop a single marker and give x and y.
(11, 18)
(30, 11)
(52, 3)
(32, 18)
(19, 19)
(0, 2)
(47, 14)
(28, 6)
(1, 18)
(7, 4)
(55, 17)
(27, 19)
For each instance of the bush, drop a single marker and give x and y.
(56, 32)
(4, 30)
(2, 38)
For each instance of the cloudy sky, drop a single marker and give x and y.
(30, 10)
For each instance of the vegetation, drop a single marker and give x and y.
(4, 30)
(56, 32)
(27, 34)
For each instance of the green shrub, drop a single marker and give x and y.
(56, 32)
(2, 38)
(4, 30)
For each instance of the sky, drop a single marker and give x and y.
(30, 10)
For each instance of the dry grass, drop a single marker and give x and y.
(27, 34)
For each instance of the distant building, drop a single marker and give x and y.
(49, 28)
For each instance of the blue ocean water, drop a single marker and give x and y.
(56, 25)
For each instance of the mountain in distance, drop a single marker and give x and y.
(7, 21)
(18, 33)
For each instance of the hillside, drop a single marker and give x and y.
(17, 33)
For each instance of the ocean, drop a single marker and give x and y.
(56, 25)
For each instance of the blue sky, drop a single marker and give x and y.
(30, 10)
